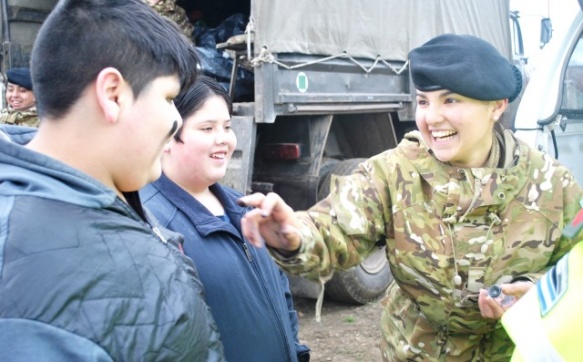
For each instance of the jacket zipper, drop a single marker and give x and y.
(275, 314)
(247, 252)
(159, 234)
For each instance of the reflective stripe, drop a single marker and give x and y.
(552, 286)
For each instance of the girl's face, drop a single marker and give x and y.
(19, 98)
(208, 142)
(459, 130)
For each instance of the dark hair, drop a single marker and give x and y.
(82, 37)
(192, 99)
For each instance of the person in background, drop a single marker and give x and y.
(20, 100)
(461, 204)
(546, 322)
(86, 274)
(248, 294)
(170, 10)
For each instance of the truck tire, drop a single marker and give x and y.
(367, 281)
(326, 167)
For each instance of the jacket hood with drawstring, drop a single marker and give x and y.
(84, 277)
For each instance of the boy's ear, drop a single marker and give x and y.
(108, 88)
(168, 146)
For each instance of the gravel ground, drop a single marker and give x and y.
(346, 333)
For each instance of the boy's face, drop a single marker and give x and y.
(149, 123)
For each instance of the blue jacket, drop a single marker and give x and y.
(86, 277)
(247, 293)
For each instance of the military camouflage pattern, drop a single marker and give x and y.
(169, 9)
(20, 118)
(490, 224)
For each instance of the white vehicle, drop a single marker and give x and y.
(550, 114)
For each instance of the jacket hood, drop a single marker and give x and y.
(18, 134)
(24, 172)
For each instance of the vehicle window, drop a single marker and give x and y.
(573, 85)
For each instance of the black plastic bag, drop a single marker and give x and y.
(217, 63)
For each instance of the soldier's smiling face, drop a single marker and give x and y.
(458, 129)
(19, 98)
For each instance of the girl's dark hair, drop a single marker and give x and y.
(191, 99)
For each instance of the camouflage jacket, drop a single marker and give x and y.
(487, 225)
(20, 118)
(169, 9)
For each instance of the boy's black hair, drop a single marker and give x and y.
(82, 37)
(192, 99)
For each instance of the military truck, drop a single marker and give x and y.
(331, 87)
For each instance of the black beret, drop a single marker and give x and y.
(20, 76)
(466, 65)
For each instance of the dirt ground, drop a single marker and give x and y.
(346, 333)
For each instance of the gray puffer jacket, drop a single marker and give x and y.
(86, 277)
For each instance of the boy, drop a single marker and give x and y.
(84, 272)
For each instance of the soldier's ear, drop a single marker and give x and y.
(499, 108)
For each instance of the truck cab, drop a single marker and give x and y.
(550, 114)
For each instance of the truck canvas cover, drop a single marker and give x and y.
(371, 29)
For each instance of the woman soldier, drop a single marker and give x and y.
(461, 204)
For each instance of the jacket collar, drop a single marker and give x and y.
(197, 213)
(516, 161)
(494, 187)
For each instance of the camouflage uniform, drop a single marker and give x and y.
(28, 117)
(169, 9)
(493, 224)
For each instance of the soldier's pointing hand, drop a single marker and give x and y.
(272, 221)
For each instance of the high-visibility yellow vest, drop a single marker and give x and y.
(546, 324)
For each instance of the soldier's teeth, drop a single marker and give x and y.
(442, 134)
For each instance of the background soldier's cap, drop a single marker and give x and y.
(466, 65)
(20, 76)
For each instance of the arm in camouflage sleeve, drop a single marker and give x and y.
(572, 202)
(572, 205)
(338, 232)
